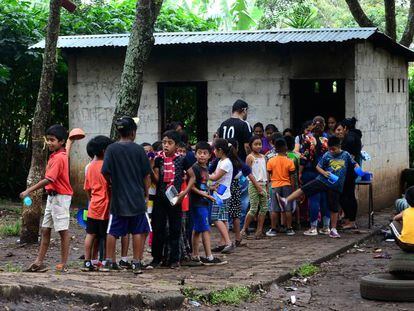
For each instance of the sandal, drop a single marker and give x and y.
(61, 268)
(259, 236)
(36, 268)
(349, 227)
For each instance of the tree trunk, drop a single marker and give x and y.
(358, 13)
(31, 215)
(140, 44)
(390, 23)
(407, 37)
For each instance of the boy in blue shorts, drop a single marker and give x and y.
(199, 206)
(127, 170)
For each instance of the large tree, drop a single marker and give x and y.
(31, 215)
(390, 19)
(140, 44)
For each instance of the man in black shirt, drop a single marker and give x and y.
(238, 128)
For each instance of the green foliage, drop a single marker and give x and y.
(22, 24)
(231, 296)
(10, 267)
(302, 16)
(11, 229)
(193, 294)
(306, 270)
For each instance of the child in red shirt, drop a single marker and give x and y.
(57, 185)
(96, 188)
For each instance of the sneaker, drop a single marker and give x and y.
(325, 231)
(111, 266)
(125, 265)
(193, 262)
(88, 266)
(218, 248)
(175, 265)
(136, 267)
(334, 234)
(289, 231)
(271, 233)
(214, 262)
(228, 249)
(311, 231)
(152, 265)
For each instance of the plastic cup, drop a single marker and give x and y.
(27, 201)
(358, 170)
(221, 189)
(333, 178)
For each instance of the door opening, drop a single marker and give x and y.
(185, 102)
(309, 98)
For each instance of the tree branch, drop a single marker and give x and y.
(407, 37)
(358, 13)
(390, 23)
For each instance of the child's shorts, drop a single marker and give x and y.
(122, 225)
(220, 212)
(57, 214)
(284, 192)
(258, 202)
(200, 216)
(97, 226)
(316, 186)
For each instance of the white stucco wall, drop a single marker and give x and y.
(260, 75)
(383, 118)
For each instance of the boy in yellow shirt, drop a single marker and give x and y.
(403, 224)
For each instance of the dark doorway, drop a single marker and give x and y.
(185, 102)
(309, 98)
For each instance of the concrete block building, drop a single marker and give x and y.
(286, 76)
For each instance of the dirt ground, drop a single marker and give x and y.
(334, 287)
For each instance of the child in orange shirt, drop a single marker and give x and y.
(96, 188)
(281, 169)
(59, 190)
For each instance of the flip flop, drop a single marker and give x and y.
(36, 268)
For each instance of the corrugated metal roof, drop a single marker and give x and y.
(173, 38)
(281, 36)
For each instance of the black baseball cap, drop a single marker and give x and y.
(239, 105)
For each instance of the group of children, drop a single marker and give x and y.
(128, 188)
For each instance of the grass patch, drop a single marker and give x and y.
(231, 296)
(193, 294)
(10, 267)
(11, 229)
(306, 270)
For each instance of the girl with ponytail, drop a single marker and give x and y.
(222, 178)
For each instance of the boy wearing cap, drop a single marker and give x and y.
(127, 171)
(57, 185)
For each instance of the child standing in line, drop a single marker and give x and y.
(127, 171)
(96, 188)
(169, 169)
(290, 143)
(281, 169)
(149, 150)
(200, 200)
(334, 162)
(59, 190)
(223, 176)
(257, 191)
